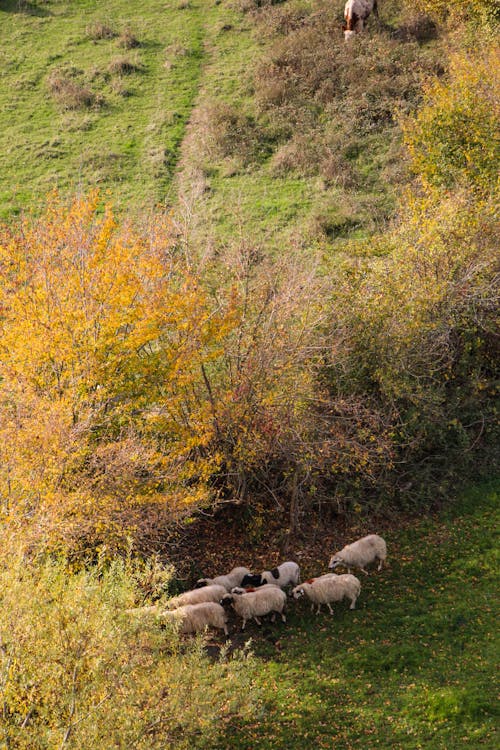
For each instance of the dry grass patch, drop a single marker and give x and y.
(123, 66)
(99, 30)
(69, 93)
(128, 40)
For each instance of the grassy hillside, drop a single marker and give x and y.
(95, 95)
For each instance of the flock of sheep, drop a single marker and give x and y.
(254, 595)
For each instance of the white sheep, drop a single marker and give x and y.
(231, 579)
(329, 588)
(193, 618)
(288, 573)
(262, 601)
(355, 13)
(205, 594)
(369, 549)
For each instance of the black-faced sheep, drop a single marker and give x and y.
(369, 549)
(205, 594)
(355, 13)
(288, 573)
(329, 588)
(193, 618)
(231, 579)
(262, 601)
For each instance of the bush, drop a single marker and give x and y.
(103, 338)
(454, 139)
(78, 671)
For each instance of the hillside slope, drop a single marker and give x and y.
(95, 95)
(283, 145)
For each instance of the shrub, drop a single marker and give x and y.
(455, 139)
(103, 338)
(78, 671)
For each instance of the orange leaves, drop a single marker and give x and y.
(104, 332)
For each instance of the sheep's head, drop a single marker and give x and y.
(252, 579)
(297, 592)
(201, 582)
(227, 600)
(348, 34)
(335, 561)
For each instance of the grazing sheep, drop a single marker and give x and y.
(205, 594)
(329, 588)
(233, 578)
(288, 573)
(355, 13)
(193, 618)
(262, 601)
(369, 549)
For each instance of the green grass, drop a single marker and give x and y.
(412, 667)
(127, 141)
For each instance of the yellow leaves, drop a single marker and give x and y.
(102, 400)
(454, 138)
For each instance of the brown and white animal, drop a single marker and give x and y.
(329, 588)
(355, 13)
(369, 549)
(194, 618)
(263, 601)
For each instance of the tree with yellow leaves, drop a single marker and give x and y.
(105, 336)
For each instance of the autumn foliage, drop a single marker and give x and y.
(104, 336)
(143, 379)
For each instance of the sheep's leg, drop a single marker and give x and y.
(273, 617)
(353, 603)
(381, 562)
(329, 608)
(312, 607)
(318, 610)
(226, 631)
(244, 623)
(364, 571)
(375, 9)
(283, 616)
(257, 620)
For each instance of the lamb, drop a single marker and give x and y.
(193, 618)
(233, 578)
(355, 13)
(369, 549)
(288, 573)
(263, 601)
(329, 588)
(196, 596)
